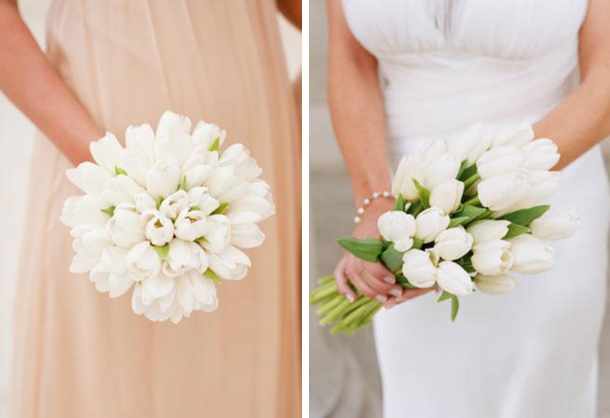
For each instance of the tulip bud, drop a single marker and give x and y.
(454, 279)
(203, 200)
(498, 193)
(437, 163)
(88, 177)
(453, 243)
(492, 258)
(173, 204)
(191, 225)
(184, 256)
(543, 185)
(408, 169)
(218, 233)
(107, 152)
(163, 179)
(471, 144)
(531, 256)
(447, 195)
(126, 228)
(540, 154)
(488, 230)
(556, 223)
(121, 189)
(142, 262)
(498, 161)
(397, 227)
(495, 285)
(159, 228)
(430, 223)
(516, 135)
(418, 268)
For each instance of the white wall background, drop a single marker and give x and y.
(16, 134)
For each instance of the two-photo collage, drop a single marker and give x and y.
(304, 208)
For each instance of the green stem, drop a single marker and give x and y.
(325, 280)
(473, 202)
(471, 180)
(330, 304)
(321, 292)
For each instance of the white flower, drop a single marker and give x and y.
(492, 258)
(397, 227)
(142, 262)
(543, 185)
(88, 177)
(206, 134)
(540, 154)
(430, 223)
(408, 169)
(531, 256)
(256, 204)
(184, 256)
(225, 185)
(107, 152)
(138, 156)
(556, 223)
(438, 164)
(159, 228)
(246, 235)
(126, 228)
(163, 178)
(144, 202)
(498, 193)
(191, 225)
(172, 123)
(238, 156)
(120, 190)
(447, 195)
(198, 166)
(517, 135)
(218, 235)
(454, 279)
(204, 202)
(110, 275)
(84, 210)
(498, 161)
(453, 243)
(419, 268)
(496, 285)
(488, 230)
(175, 203)
(89, 243)
(471, 144)
(230, 264)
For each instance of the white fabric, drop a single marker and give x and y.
(533, 353)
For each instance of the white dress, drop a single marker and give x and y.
(533, 353)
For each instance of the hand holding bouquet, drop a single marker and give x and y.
(467, 213)
(168, 215)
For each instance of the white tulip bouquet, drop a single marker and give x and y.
(468, 212)
(167, 215)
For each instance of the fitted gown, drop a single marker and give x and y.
(79, 353)
(533, 353)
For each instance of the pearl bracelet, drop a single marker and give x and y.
(368, 201)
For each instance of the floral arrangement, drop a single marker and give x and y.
(166, 215)
(468, 213)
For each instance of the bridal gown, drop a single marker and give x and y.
(533, 353)
(80, 354)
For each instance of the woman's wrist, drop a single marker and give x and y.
(363, 206)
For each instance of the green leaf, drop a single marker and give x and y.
(183, 183)
(468, 173)
(463, 168)
(417, 243)
(118, 171)
(212, 275)
(109, 210)
(455, 307)
(159, 201)
(391, 258)
(220, 209)
(470, 212)
(368, 249)
(457, 221)
(444, 296)
(403, 281)
(400, 204)
(162, 251)
(514, 230)
(524, 217)
(415, 208)
(424, 194)
(215, 145)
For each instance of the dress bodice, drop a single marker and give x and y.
(448, 63)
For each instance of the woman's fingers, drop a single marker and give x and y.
(412, 293)
(366, 289)
(342, 283)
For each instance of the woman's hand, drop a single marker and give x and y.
(371, 279)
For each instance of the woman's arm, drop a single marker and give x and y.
(357, 112)
(32, 84)
(292, 11)
(583, 118)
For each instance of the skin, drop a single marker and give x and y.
(578, 123)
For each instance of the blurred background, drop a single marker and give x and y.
(16, 134)
(344, 379)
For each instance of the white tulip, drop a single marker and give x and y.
(230, 264)
(205, 134)
(89, 243)
(163, 178)
(517, 135)
(204, 291)
(175, 203)
(87, 209)
(156, 287)
(184, 256)
(225, 186)
(113, 264)
(121, 189)
(138, 156)
(200, 197)
(492, 258)
(159, 228)
(496, 285)
(540, 154)
(488, 230)
(218, 235)
(255, 205)
(471, 144)
(430, 223)
(409, 168)
(498, 193)
(246, 167)
(191, 225)
(142, 262)
(107, 153)
(498, 161)
(438, 164)
(418, 268)
(198, 167)
(531, 256)
(447, 195)
(88, 177)
(246, 235)
(143, 202)
(453, 243)
(171, 123)
(452, 278)
(556, 223)
(543, 185)
(397, 227)
(126, 228)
